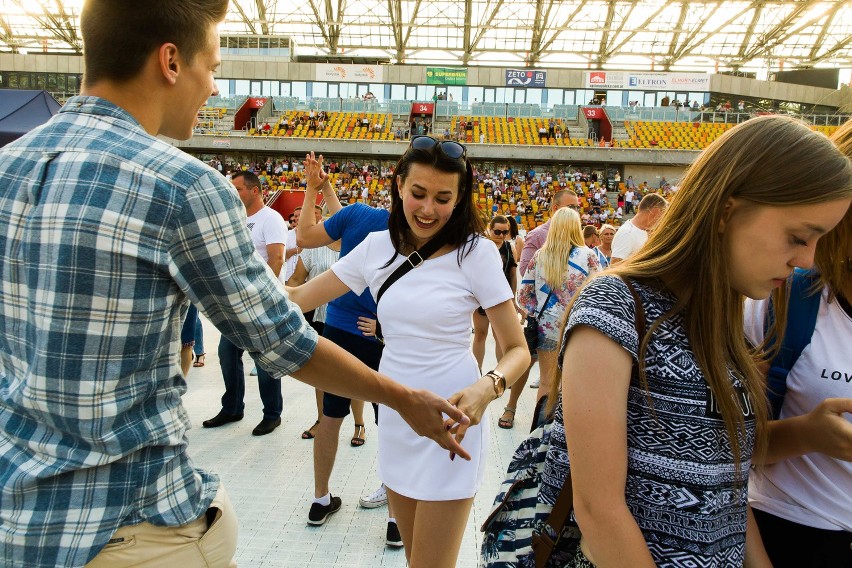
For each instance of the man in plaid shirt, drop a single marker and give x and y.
(107, 233)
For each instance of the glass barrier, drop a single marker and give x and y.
(233, 102)
(446, 110)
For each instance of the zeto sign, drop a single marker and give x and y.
(525, 78)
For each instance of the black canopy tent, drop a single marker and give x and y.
(21, 111)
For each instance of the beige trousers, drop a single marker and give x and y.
(189, 546)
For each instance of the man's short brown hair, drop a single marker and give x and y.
(119, 36)
(251, 180)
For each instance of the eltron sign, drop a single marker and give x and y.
(647, 81)
(525, 78)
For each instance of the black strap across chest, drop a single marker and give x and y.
(414, 260)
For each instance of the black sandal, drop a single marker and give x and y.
(358, 439)
(507, 423)
(309, 433)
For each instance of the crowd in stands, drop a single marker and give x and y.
(323, 124)
(525, 194)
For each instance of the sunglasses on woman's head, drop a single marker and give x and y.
(450, 149)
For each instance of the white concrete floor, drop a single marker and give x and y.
(270, 478)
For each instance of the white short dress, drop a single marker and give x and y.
(426, 319)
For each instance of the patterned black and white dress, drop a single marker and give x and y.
(682, 485)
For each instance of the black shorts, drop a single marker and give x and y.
(366, 350)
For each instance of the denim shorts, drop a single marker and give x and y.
(368, 351)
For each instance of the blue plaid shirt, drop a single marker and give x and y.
(107, 233)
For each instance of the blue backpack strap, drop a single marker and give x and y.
(802, 313)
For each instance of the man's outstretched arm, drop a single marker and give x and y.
(334, 370)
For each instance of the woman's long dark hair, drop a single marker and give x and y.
(466, 222)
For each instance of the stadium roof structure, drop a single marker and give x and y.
(609, 34)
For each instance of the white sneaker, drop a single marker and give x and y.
(534, 383)
(378, 498)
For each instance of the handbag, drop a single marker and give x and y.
(531, 327)
(518, 517)
(522, 531)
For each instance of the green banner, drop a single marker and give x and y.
(446, 76)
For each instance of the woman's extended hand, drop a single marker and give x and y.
(316, 176)
(472, 401)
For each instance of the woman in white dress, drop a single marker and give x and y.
(425, 321)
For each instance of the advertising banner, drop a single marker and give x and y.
(647, 81)
(446, 76)
(349, 73)
(604, 80)
(525, 78)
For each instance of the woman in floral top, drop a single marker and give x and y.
(560, 266)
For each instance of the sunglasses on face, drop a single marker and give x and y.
(450, 149)
(500, 232)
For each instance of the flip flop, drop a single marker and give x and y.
(199, 360)
(308, 434)
(358, 439)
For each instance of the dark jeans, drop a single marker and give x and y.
(793, 545)
(231, 362)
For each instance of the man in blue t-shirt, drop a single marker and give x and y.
(350, 225)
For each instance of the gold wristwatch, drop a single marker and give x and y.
(499, 382)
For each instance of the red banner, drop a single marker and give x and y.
(593, 113)
(423, 108)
